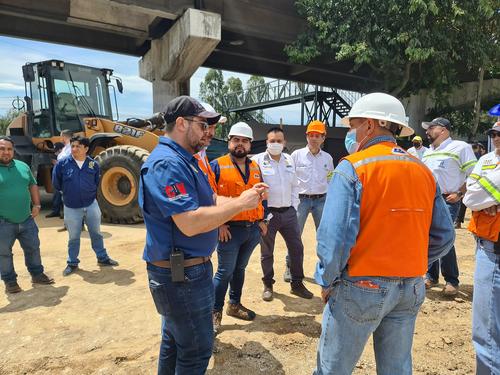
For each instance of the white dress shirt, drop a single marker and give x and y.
(281, 178)
(313, 171)
(477, 197)
(417, 153)
(66, 151)
(450, 163)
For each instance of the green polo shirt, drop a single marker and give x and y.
(15, 198)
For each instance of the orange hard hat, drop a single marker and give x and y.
(316, 126)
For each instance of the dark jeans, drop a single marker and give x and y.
(233, 257)
(186, 310)
(449, 265)
(27, 235)
(287, 225)
(56, 202)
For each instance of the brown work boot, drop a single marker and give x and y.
(42, 279)
(217, 319)
(12, 287)
(429, 283)
(300, 290)
(450, 290)
(267, 294)
(237, 310)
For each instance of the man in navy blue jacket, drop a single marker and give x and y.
(77, 176)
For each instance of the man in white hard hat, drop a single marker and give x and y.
(370, 274)
(483, 198)
(418, 148)
(450, 161)
(234, 173)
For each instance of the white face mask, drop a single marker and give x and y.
(274, 148)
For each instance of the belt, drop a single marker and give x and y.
(279, 209)
(312, 196)
(187, 262)
(241, 223)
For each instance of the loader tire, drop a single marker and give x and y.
(119, 186)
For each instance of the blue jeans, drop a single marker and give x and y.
(313, 206)
(486, 309)
(186, 310)
(449, 265)
(56, 202)
(355, 312)
(233, 257)
(27, 235)
(73, 218)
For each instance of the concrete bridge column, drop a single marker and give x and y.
(173, 58)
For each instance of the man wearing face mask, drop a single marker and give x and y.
(278, 171)
(370, 274)
(235, 173)
(451, 162)
(418, 149)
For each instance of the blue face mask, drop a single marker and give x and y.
(350, 142)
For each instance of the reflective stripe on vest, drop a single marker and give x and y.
(488, 186)
(231, 184)
(395, 213)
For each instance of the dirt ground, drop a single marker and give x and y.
(103, 321)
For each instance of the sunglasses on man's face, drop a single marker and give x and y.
(494, 134)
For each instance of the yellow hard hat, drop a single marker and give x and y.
(316, 126)
(417, 138)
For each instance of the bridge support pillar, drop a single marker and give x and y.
(174, 57)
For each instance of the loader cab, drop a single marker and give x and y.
(60, 95)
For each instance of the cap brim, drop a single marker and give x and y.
(493, 129)
(212, 117)
(426, 125)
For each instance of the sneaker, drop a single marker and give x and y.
(217, 319)
(12, 287)
(300, 290)
(237, 310)
(287, 276)
(267, 294)
(107, 262)
(42, 279)
(450, 290)
(69, 270)
(52, 214)
(429, 283)
(63, 229)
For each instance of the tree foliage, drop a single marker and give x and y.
(6, 119)
(408, 44)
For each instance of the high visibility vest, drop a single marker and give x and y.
(395, 213)
(205, 168)
(483, 225)
(231, 184)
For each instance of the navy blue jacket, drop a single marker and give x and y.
(78, 186)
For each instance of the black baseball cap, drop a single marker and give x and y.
(58, 146)
(440, 121)
(187, 106)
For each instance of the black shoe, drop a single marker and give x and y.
(69, 270)
(12, 287)
(107, 262)
(52, 214)
(42, 279)
(299, 289)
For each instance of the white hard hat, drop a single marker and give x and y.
(380, 106)
(241, 129)
(209, 108)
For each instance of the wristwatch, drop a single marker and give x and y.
(460, 194)
(37, 206)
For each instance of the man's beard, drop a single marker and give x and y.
(6, 161)
(239, 152)
(195, 144)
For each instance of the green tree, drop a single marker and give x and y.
(233, 85)
(213, 88)
(409, 45)
(6, 119)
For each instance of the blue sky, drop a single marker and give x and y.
(136, 100)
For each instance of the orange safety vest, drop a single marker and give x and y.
(231, 184)
(485, 226)
(205, 167)
(395, 213)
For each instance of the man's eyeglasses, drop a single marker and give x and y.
(203, 124)
(494, 134)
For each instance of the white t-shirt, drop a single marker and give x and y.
(417, 153)
(483, 183)
(313, 171)
(66, 151)
(450, 163)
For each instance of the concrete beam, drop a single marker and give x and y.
(174, 58)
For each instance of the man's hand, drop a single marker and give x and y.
(491, 211)
(325, 294)
(263, 228)
(263, 189)
(251, 198)
(453, 197)
(35, 211)
(224, 233)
